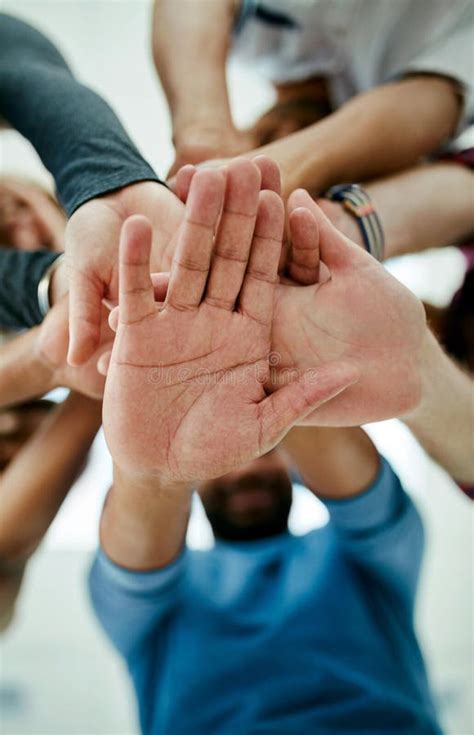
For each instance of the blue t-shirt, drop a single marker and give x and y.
(308, 635)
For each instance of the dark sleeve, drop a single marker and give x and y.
(20, 274)
(76, 134)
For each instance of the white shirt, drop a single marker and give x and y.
(359, 44)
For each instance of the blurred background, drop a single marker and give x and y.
(58, 675)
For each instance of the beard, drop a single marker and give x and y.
(258, 523)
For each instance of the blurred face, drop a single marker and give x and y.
(17, 425)
(250, 503)
(29, 218)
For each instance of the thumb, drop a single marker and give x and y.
(85, 297)
(290, 404)
(103, 362)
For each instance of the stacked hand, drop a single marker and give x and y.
(354, 311)
(338, 303)
(52, 346)
(185, 394)
(92, 238)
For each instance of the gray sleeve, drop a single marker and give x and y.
(74, 131)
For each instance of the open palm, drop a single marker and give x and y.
(356, 312)
(185, 388)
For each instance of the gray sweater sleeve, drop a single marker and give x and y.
(76, 134)
(78, 138)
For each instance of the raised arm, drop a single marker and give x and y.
(423, 207)
(100, 176)
(373, 134)
(190, 45)
(362, 314)
(375, 522)
(443, 421)
(37, 480)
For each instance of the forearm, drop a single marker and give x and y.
(190, 45)
(443, 423)
(424, 207)
(428, 206)
(23, 375)
(144, 521)
(371, 135)
(36, 482)
(333, 463)
(76, 134)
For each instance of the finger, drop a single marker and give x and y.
(290, 404)
(270, 173)
(234, 237)
(304, 259)
(192, 257)
(114, 317)
(85, 297)
(160, 283)
(256, 296)
(183, 181)
(103, 362)
(335, 249)
(136, 300)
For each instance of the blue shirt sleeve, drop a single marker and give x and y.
(129, 604)
(74, 131)
(380, 530)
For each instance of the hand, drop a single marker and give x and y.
(92, 238)
(356, 312)
(52, 346)
(269, 175)
(184, 396)
(196, 145)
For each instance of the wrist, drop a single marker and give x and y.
(298, 169)
(217, 122)
(58, 283)
(434, 366)
(42, 371)
(445, 388)
(157, 484)
(322, 456)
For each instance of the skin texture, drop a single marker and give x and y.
(336, 303)
(356, 312)
(202, 359)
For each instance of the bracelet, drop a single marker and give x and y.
(44, 284)
(358, 203)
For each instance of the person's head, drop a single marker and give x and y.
(252, 502)
(18, 424)
(30, 218)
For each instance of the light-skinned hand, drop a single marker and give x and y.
(185, 395)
